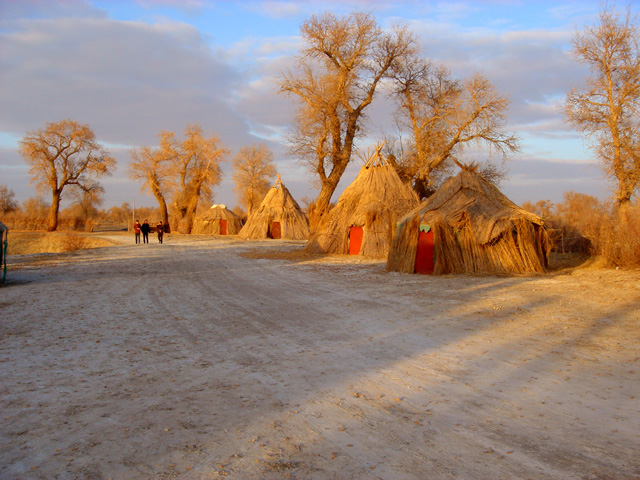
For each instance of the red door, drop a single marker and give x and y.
(223, 226)
(275, 230)
(424, 255)
(355, 240)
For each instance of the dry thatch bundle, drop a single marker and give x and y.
(218, 220)
(278, 216)
(474, 229)
(363, 219)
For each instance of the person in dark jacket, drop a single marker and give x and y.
(160, 230)
(145, 229)
(136, 230)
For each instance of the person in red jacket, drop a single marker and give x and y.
(136, 230)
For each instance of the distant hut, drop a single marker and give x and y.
(278, 216)
(363, 220)
(218, 220)
(468, 226)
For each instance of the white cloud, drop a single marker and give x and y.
(12, 10)
(187, 5)
(280, 9)
(129, 81)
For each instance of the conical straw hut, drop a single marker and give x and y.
(218, 220)
(363, 220)
(278, 216)
(468, 226)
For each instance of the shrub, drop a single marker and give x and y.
(72, 242)
(583, 224)
(620, 242)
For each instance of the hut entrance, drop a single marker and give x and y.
(424, 254)
(223, 226)
(274, 231)
(355, 240)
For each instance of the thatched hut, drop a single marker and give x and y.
(362, 221)
(469, 226)
(278, 216)
(218, 220)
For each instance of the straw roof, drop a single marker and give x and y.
(375, 200)
(280, 207)
(477, 229)
(209, 221)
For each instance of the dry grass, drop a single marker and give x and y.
(25, 243)
(72, 242)
(295, 255)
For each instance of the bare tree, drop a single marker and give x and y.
(194, 169)
(87, 201)
(542, 208)
(8, 202)
(606, 109)
(151, 168)
(339, 71)
(445, 117)
(121, 214)
(64, 154)
(253, 174)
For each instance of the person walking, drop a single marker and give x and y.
(136, 230)
(160, 230)
(145, 229)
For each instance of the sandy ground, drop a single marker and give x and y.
(188, 360)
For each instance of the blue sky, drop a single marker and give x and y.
(131, 69)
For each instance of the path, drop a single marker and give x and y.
(188, 360)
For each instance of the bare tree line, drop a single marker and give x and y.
(583, 224)
(182, 173)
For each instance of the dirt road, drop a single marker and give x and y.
(188, 360)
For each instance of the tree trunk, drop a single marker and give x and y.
(165, 214)
(624, 192)
(623, 209)
(53, 211)
(341, 158)
(186, 225)
(324, 198)
(155, 188)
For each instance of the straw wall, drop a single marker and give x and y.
(520, 250)
(515, 251)
(402, 254)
